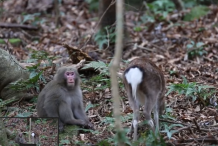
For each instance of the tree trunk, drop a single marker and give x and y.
(107, 13)
(114, 68)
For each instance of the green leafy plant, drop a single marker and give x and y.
(138, 28)
(103, 143)
(13, 41)
(172, 72)
(35, 71)
(110, 120)
(147, 18)
(119, 136)
(195, 49)
(196, 13)
(2, 41)
(90, 105)
(100, 81)
(193, 3)
(93, 5)
(168, 114)
(150, 138)
(27, 84)
(34, 19)
(162, 7)
(25, 114)
(192, 90)
(64, 142)
(190, 3)
(41, 120)
(100, 66)
(105, 37)
(168, 129)
(158, 9)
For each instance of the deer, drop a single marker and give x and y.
(145, 85)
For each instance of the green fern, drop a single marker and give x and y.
(192, 90)
(99, 66)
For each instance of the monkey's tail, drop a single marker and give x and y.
(134, 77)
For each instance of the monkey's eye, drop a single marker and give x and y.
(69, 73)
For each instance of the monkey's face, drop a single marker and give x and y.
(70, 78)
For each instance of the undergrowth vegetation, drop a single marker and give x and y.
(192, 90)
(41, 61)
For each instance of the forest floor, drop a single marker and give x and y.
(39, 126)
(186, 51)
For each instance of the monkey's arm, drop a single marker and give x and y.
(79, 113)
(77, 106)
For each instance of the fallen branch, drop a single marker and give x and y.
(76, 54)
(13, 25)
(209, 139)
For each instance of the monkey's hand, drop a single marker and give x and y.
(90, 126)
(87, 124)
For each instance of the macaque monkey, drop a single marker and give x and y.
(19, 138)
(145, 85)
(62, 97)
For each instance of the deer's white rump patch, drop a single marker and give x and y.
(134, 77)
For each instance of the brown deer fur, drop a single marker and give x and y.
(145, 85)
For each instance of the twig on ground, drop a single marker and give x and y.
(13, 25)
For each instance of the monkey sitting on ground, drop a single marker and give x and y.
(62, 97)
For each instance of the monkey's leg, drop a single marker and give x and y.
(66, 115)
(51, 111)
(79, 113)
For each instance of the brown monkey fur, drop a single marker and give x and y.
(62, 97)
